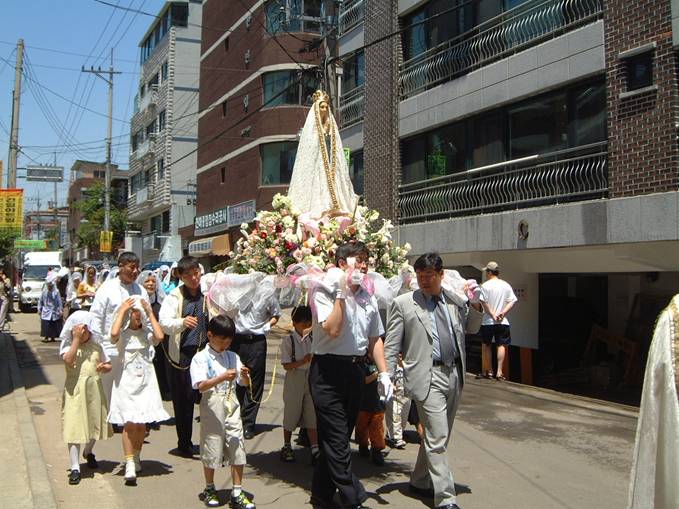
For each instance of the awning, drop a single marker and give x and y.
(219, 245)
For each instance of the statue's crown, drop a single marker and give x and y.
(320, 95)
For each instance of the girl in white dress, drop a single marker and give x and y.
(135, 399)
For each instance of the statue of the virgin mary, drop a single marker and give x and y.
(320, 183)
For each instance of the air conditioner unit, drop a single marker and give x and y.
(246, 102)
(248, 23)
(247, 57)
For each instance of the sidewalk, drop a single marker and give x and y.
(23, 476)
(514, 446)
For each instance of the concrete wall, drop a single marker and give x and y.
(352, 137)
(635, 219)
(552, 64)
(351, 41)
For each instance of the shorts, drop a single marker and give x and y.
(221, 431)
(298, 405)
(497, 331)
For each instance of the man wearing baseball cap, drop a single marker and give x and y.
(497, 298)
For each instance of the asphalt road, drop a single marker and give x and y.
(513, 447)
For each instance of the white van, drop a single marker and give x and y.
(36, 266)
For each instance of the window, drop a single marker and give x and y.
(142, 91)
(160, 169)
(147, 178)
(539, 126)
(639, 71)
(226, 44)
(180, 14)
(354, 72)
(297, 15)
(285, 87)
(151, 129)
(135, 183)
(278, 160)
(223, 172)
(161, 120)
(547, 123)
(156, 224)
(166, 222)
(163, 72)
(223, 109)
(153, 81)
(137, 139)
(356, 171)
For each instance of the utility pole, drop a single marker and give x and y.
(107, 185)
(16, 104)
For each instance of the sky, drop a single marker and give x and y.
(63, 110)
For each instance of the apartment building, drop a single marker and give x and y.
(164, 129)
(260, 65)
(84, 175)
(541, 134)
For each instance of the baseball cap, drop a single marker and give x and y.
(492, 266)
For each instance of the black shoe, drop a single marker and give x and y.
(448, 506)
(377, 457)
(423, 492)
(74, 477)
(249, 434)
(360, 506)
(183, 452)
(317, 503)
(363, 451)
(91, 461)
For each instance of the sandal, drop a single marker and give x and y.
(500, 378)
(487, 375)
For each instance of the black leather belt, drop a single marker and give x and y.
(250, 337)
(353, 359)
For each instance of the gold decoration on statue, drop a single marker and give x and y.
(325, 126)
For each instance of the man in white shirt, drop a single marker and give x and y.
(497, 299)
(347, 325)
(252, 325)
(109, 296)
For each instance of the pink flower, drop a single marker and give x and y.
(298, 255)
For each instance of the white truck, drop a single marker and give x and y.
(36, 266)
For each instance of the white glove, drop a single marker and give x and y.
(384, 387)
(336, 281)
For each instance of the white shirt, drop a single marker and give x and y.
(109, 296)
(302, 348)
(497, 294)
(251, 320)
(209, 363)
(361, 321)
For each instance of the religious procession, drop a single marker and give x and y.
(376, 343)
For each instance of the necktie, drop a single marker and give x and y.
(447, 345)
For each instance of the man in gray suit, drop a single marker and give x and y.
(427, 327)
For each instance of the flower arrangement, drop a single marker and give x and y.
(282, 237)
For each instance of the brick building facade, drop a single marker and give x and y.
(259, 67)
(643, 149)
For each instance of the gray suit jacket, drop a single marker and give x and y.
(409, 332)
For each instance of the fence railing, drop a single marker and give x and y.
(525, 25)
(352, 107)
(568, 175)
(351, 15)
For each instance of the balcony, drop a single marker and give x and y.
(352, 107)
(142, 203)
(148, 146)
(352, 14)
(569, 175)
(149, 99)
(515, 30)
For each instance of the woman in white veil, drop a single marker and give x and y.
(320, 182)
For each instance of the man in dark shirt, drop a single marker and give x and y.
(183, 317)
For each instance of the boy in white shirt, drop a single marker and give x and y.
(298, 405)
(215, 371)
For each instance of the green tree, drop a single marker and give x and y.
(92, 208)
(7, 236)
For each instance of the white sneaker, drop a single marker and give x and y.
(137, 463)
(130, 474)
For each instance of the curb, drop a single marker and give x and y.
(38, 480)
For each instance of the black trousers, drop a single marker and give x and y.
(183, 398)
(252, 352)
(336, 387)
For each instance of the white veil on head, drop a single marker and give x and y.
(160, 292)
(309, 189)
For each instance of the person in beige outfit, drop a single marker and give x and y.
(428, 328)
